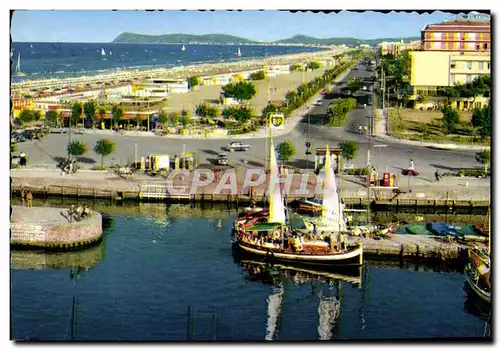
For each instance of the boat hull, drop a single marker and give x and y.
(474, 288)
(352, 257)
(310, 207)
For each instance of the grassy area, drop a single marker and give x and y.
(426, 126)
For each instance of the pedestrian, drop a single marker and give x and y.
(29, 199)
(23, 196)
(412, 167)
(437, 175)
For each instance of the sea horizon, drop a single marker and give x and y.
(63, 60)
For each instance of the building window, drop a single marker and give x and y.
(481, 65)
(478, 47)
(488, 65)
(468, 78)
(485, 46)
(469, 65)
(453, 65)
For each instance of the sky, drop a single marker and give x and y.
(103, 26)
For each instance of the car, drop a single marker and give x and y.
(19, 137)
(222, 159)
(58, 130)
(238, 146)
(318, 102)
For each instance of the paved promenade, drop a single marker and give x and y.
(422, 188)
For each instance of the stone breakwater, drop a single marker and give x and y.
(49, 228)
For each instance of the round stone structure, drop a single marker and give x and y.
(51, 229)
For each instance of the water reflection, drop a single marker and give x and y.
(83, 259)
(326, 288)
(479, 308)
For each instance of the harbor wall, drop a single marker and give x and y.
(49, 228)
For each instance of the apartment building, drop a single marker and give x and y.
(457, 36)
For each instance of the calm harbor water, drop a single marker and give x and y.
(168, 273)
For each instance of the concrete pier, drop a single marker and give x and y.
(49, 228)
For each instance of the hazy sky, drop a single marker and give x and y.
(104, 26)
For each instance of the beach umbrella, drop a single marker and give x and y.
(410, 173)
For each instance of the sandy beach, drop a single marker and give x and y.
(278, 87)
(206, 69)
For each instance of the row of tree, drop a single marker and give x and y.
(349, 150)
(337, 113)
(481, 120)
(103, 147)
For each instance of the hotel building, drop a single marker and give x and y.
(457, 36)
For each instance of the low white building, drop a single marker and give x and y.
(156, 86)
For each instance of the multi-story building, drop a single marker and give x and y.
(431, 71)
(457, 36)
(395, 49)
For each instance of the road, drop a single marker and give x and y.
(394, 157)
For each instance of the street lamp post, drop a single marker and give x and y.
(135, 154)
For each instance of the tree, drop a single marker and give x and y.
(244, 114)
(52, 117)
(184, 120)
(185, 112)
(89, 109)
(163, 117)
(174, 118)
(37, 115)
(353, 86)
(104, 147)
(201, 110)
(26, 116)
(313, 65)
(13, 147)
(349, 150)
(212, 112)
(270, 108)
(117, 114)
(286, 150)
(77, 148)
(260, 75)
(481, 119)
(240, 91)
(450, 119)
(295, 67)
(76, 113)
(484, 157)
(194, 81)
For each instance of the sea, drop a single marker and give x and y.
(63, 60)
(168, 273)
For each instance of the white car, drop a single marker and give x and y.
(238, 146)
(318, 102)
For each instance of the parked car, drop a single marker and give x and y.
(58, 130)
(19, 137)
(238, 146)
(318, 102)
(222, 159)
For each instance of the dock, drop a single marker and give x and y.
(143, 188)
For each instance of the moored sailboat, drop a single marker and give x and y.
(268, 234)
(18, 72)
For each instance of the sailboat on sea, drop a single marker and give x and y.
(18, 72)
(238, 53)
(183, 48)
(103, 52)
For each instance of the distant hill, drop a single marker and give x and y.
(224, 39)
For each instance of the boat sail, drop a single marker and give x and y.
(332, 217)
(183, 48)
(18, 72)
(238, 53)
(103, 53)
(276, 203)
(110, 53)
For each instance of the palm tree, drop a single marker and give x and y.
(117, 113)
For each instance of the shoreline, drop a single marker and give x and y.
(201, 69)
